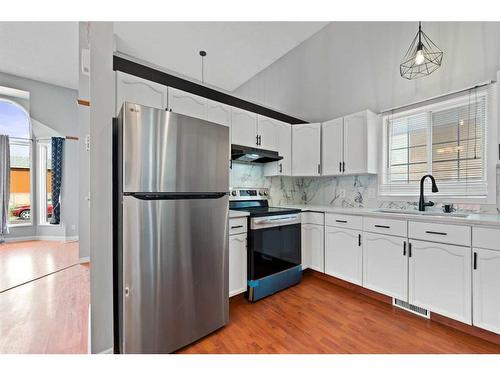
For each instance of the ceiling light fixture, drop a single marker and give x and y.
(422, 58)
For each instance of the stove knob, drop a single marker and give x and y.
(265, 193)
(261, 193)
(233, 193)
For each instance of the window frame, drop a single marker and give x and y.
(410, 192)
(42, 159)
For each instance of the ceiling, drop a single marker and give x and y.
(236, 51)
(43, 51)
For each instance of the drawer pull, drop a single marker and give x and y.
(404, 248)
(439, 233)
(382, 226)
(341, 221)
(475, 260)
(237, 226)
(359, 239)
(409, 249)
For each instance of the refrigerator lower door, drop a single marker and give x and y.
(175, 272)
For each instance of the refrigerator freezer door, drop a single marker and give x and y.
(168, 152)
(175, 272)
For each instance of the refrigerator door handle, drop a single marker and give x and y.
(173, 196)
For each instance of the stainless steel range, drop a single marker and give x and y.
(274, 243)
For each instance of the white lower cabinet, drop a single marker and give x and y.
(313, 247)
(486, 289)
(440, 279)
(237, 264)
(385, 265)
(343, 254)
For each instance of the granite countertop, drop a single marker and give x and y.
(483, 219)
(233, 214)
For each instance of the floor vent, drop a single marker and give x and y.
(411, 308)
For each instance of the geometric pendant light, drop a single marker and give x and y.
(422, 58)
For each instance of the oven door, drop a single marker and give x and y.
(274, 245)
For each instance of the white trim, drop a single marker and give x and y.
(42, 238)
(84, 259)
(89, 330)
(107, 351)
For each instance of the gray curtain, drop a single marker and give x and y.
(57, 164)
(4, 184)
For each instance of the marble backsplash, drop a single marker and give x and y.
(345, 191)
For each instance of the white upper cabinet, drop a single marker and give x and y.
(440, 279)
(243, 128)
(332, 140)
(187, 104)
(306, 146)
(282, 133)
(350, 144)
(268, 130)
(136, 90)
(486, 289)
(218, 113)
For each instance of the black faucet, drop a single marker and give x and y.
(421, 203)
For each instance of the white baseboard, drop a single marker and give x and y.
(42, 238)
(84, 259)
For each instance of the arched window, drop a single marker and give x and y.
(15, 122)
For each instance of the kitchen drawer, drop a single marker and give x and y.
(313, 218)
(238, 225)
(344, 221)
(486, 238)
(385, 226)
(443, 233)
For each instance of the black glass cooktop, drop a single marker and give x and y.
(260, 208)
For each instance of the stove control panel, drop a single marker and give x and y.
(243, 194)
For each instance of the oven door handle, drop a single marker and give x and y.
(275, 222)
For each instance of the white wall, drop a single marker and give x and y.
(349, 66)
(84, 154)
(102, 102)
(55, 107)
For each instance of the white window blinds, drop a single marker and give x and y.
(446, 140)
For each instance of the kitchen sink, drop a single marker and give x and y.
(422, 213)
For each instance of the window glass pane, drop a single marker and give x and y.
(13, 120)
(457, 142)
(20, 182)
(408, 146)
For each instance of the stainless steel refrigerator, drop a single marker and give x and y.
(171, 223)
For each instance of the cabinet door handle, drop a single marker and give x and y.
(475, 260)
(319, 168)
(359, 239)
(439, 233)
(343, 166)
(257, 139)
(340, 166)
(409, 249)
(404, 248)
(341, 221)
(260, 140)
(281, 168)
(382, 226)
(237, 226)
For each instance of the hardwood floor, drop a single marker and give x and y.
(21, 262)
(48, 315)
(317, 316)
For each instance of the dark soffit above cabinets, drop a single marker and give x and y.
(130, 67)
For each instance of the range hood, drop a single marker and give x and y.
(253, 155)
